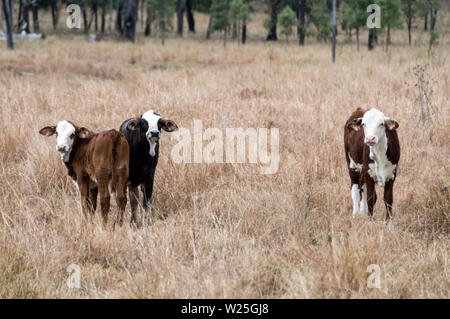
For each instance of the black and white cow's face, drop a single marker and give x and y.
(66, 133)
(375, 125)
(151, 124)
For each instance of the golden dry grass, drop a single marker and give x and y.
(225, 231)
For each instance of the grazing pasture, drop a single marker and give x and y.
(225, 230)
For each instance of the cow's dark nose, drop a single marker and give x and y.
(154, 134)
(61, 148)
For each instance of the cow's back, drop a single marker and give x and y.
(109, 150)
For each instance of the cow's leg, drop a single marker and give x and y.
(83, 185)
(371, 195)
(133, 194)
(148, 191)
(363, 209)
(355, 198)
(121, 194)
(93, 192)
(104, 198)
(389, 198)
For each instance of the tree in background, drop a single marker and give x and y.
(130, 20)
(271, 23)
(239, 14)
(287, 20)
(430, 8)
(220, 17)
(390, 17)
(409, 8)
(162, 11)
(355, 16)
(181, 5)
(8, 24)
(321, 17)
(302, 9)
(190, 16)
(55, 13)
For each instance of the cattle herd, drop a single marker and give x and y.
(109, 161)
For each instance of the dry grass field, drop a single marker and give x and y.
(225, 230)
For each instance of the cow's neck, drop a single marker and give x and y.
(381, 170)
(378, 152)
(76, 148)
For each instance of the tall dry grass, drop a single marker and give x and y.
(225, 230)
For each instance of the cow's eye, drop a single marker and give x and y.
(382, 124)
(72, 136)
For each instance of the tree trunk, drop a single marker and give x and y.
(190, 16)
(95, 12)
(19, 16)
(102, 26)
(26, 17)
(334, 29)
(142, 11)
(148, 23)
(224, 38)
(118, 16)
(8, 24)
(35, 18)
(86, 23)
(409, 28)
(110, 16)
(388, 35)
(131, 19)
(244, 31)
(272, 36)
(180, 13)
(163, 32)
(433, 17)
(425, 22)
(357, 39)
(371, 41)
(301, 18)
(208, 30)
(55, 13)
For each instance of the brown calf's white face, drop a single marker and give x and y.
(374, 124)
(65, 137)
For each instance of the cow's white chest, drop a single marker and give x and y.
(381, 170)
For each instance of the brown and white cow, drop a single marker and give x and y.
(372, 154)
(98, 163)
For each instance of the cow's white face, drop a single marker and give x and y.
(153, 133)
(65, 136)
(374, 124)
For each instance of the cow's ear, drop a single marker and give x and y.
(391, 124)
(355, 124)
(83, 132)
(168, 125)
(133, 125)
(48, 130)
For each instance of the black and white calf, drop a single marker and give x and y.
(142, 134)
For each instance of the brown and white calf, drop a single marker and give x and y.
(372, 154)
(98, 163)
